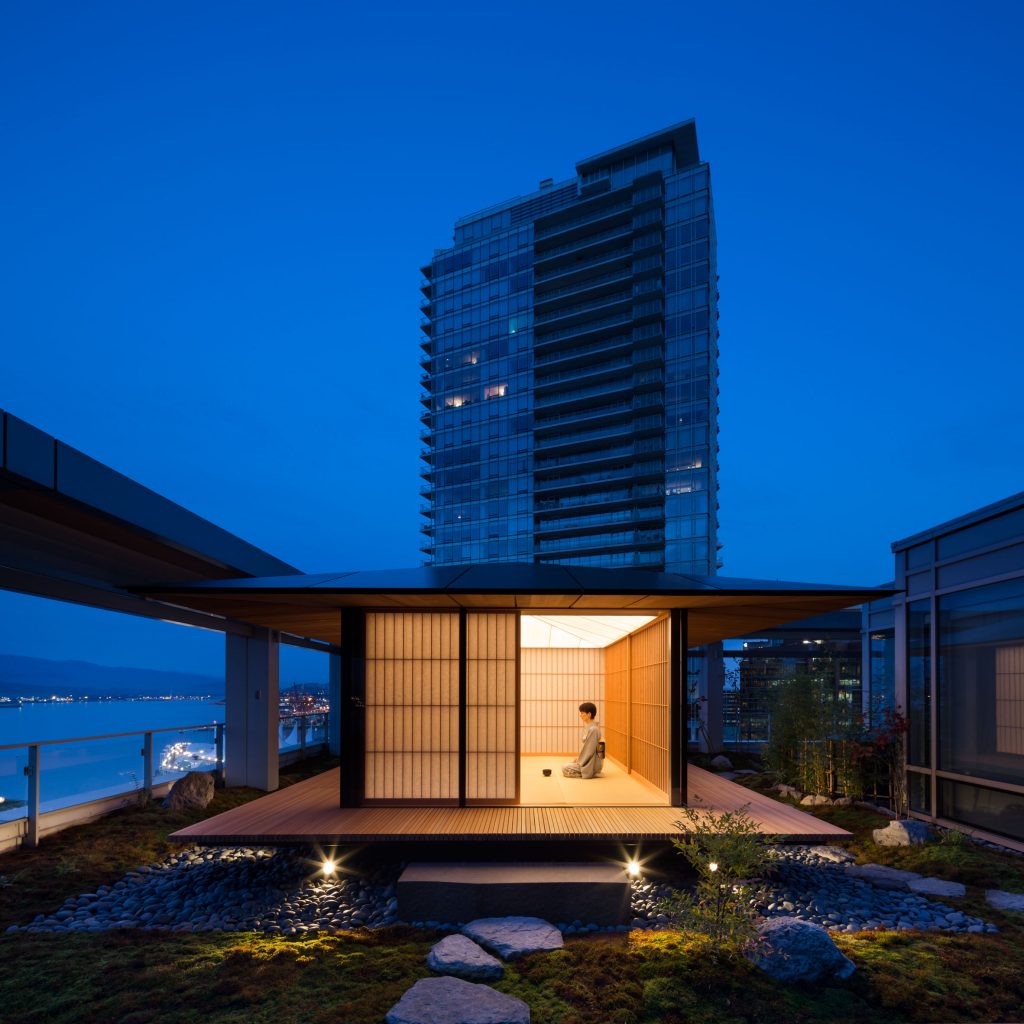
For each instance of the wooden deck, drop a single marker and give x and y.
(308, 812)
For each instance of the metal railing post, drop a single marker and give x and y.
(32, 773)
(219, 741)
(147, 765)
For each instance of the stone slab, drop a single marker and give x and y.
(937, 887)
(1005, 900)
(462, 957)
(882, 876)
(592, 893)
(454, 1001)
(513, 937)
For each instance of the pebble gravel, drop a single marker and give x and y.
(281, 892)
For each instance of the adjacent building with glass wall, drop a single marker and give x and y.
(959, 660)
(569, 370)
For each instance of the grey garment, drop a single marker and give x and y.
(590, 761)
(571, 770)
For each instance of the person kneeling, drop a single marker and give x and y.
(590, 762)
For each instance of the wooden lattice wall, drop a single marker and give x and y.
(555, 681)
(636, 696)
(616, 701)
(412, 706)
(492, 762)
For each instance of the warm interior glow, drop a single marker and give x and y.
(578, 630)
(329, 868)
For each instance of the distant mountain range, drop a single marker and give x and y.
(40, 677)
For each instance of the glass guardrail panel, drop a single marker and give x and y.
(74, 773)
(13, 784)
(289, 734)
(188, 750)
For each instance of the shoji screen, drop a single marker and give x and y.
(555, 682)
(492, 761)
(616, 700)
(412, 706)
(649, 684)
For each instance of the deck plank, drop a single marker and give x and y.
(308, 812)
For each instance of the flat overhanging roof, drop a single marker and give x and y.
(718, 607)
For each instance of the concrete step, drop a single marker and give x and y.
(449, 893)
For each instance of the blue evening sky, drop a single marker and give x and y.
(214, 215)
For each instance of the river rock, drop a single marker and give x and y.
(191, 792)
(791, 791)
(721, 763)
(461, 956)
(903, 832)
(513, 937)
(791, 950)
(815, 800)
(454, 1001)
(835, 854)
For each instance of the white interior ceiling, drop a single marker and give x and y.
(578, 630)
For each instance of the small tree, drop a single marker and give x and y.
(727, 851)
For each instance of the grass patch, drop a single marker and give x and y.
(642, 978)
(137, 977)
(81, 858)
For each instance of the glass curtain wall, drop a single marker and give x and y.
(981, 682)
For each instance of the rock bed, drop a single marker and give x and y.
(230, 889)
(240, 889)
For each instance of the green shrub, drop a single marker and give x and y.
(727, 851)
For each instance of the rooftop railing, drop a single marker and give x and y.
(80, 770)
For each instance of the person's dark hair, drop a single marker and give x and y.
(589, 709)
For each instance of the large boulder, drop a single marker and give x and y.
(902, 833)
(815, 800)
(191, 792)
(513, 937)
(791, 791)
(793, 950)
(453, 1001)
(461, 956)
(721, 763)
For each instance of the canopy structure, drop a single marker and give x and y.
(718, 607)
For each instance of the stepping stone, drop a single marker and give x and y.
(882, 876)
(557, 892)
(936, 887)
(458, 955)
(453, 1001)
(513, 937)
(1005, 900)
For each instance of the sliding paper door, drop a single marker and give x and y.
(412, 706)
(492, 761)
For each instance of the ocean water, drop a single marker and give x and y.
(73, 772)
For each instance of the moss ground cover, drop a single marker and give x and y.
(137, 977)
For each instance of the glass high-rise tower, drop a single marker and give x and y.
(569, 359)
